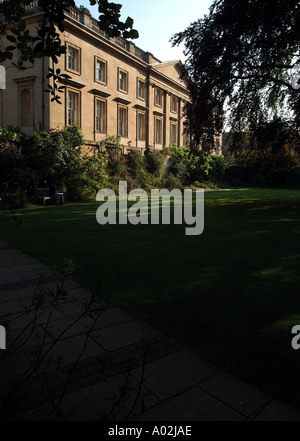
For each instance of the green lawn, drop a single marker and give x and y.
(230, 294)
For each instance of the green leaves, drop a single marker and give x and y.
(237, 59)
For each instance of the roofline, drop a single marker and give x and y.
(164, 63)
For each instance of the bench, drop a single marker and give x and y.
(44, 195)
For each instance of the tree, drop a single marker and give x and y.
(240, 61)
(46, 42)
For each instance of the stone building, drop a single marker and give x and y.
(115, 88)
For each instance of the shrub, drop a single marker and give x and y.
(154, 163)
(14, 200)
(13, 171)
(94, 167)
(189, 166)
(54, 155)
(135, 161)
(12, 136)
(72, 136)
(116, 162)
(217, 171)
(147, 181)
(131, 182)
(205, 185)
(82, 189)
(170, 182)
(178, 163)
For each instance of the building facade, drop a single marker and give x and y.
(115, 88)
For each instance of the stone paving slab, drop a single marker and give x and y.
(92, 364)
(278, 411)
(182, 361)
(192, 405)
(117, 336)
(98, 400)
(245, 398)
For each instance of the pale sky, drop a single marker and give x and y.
(157, 21)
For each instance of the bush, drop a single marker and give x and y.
(91, 178)
(13, 136)
(54, 156)
(116, 162)
(217, 171)
(205, 185)
(94, 167)
(263, 175)
(189, 166)
(72, 136)
(154, 163)
(178, 163)
(14, 200)
(147, 181)
(14, 173)
(171, 182)
(132, 183)
(135, 161)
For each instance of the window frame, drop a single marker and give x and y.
(78, 50)
(104, 62)
(104, 103)
(142, 136)
(173, 124)
(78, 109)
(157, 89)
(174, 99)
(156, 120)
(140, 80)
(122, 71)
(125, 133)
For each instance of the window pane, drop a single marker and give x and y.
(72, 59)
(123, 81)
(100, 115)
(173, 133)
(158, 131)
(72, 108)
(100, 71)
(158, 97)
(141, 125)
(122, 122)
(141, 89)
(173, 104)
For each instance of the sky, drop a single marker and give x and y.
(157, 21)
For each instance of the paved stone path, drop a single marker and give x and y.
(108, 365)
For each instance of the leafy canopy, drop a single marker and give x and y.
(241, 58)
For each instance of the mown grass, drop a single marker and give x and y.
(230, 294)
